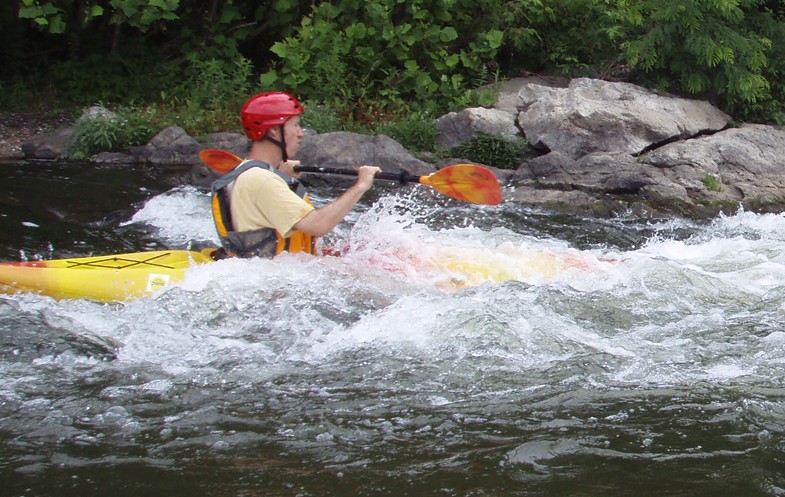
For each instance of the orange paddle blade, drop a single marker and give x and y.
(219, 160)
(467, 182)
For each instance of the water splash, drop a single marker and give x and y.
(394, 360)
(179, 217)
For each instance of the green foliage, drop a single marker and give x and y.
(770, 25)
(700, 47)
(110, 133)
(373, 61)
(712, 182)
(320, 118)
(53, 16)
(211, 97)
(324, 118)
(728, 51)
(140, 14)
(416, 132)
(120, 78)
(174, 30)
(492, 151)
(20, 95)
(208, 100)
(390, 52)
(46, 15)
(567, 35)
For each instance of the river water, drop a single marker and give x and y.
(610, 358)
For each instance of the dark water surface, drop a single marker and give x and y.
(654, 369)
(72, 209)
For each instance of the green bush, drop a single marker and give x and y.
(492, 151)
(320, 118)
(325, 118)
(731, 52)
(132, 75)
(373, 60)
(20, 95)
(354, 55)
(208, 100)
(110, 133)
(417, 132)
(563, 36)
(704, 48)
(210, 97)
(771, 25)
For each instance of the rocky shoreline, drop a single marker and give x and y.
(599, 149)
(16, 128)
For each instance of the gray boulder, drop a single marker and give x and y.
(744, 164)
(599, 116)
(347, 150)
(45, 147)
(456, 128)
(615, 172)
(171, 146)
(235, 143)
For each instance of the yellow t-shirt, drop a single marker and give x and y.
(262, 199)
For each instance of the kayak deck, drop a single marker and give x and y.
(107, 278)
(124, 277)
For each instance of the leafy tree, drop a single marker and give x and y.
(380, 59)
(701, 47)
(769, 22)
(568, 36)
(728, 51)
(190, 26)
(430, 51)
(139, 47)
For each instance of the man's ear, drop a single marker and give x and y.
(274, 132)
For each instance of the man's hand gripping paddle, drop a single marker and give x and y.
(467, 182)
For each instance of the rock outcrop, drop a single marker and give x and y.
(599, 148)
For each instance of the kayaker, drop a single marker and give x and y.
(260, 208)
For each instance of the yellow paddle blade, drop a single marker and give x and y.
(467, 182)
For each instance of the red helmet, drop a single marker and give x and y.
(265, 110)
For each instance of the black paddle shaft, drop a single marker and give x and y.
(402, 177)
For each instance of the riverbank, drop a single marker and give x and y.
(18, 127)
(603, 149)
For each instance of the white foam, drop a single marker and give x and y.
(646, 315)
(180, 216)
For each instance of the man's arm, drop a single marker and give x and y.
(319, 222)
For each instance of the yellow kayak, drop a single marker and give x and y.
(124, 277)
(108, 278)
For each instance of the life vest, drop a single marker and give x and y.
(264, 242)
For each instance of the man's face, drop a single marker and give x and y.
(293, 132)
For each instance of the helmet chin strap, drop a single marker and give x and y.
(281, 144)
